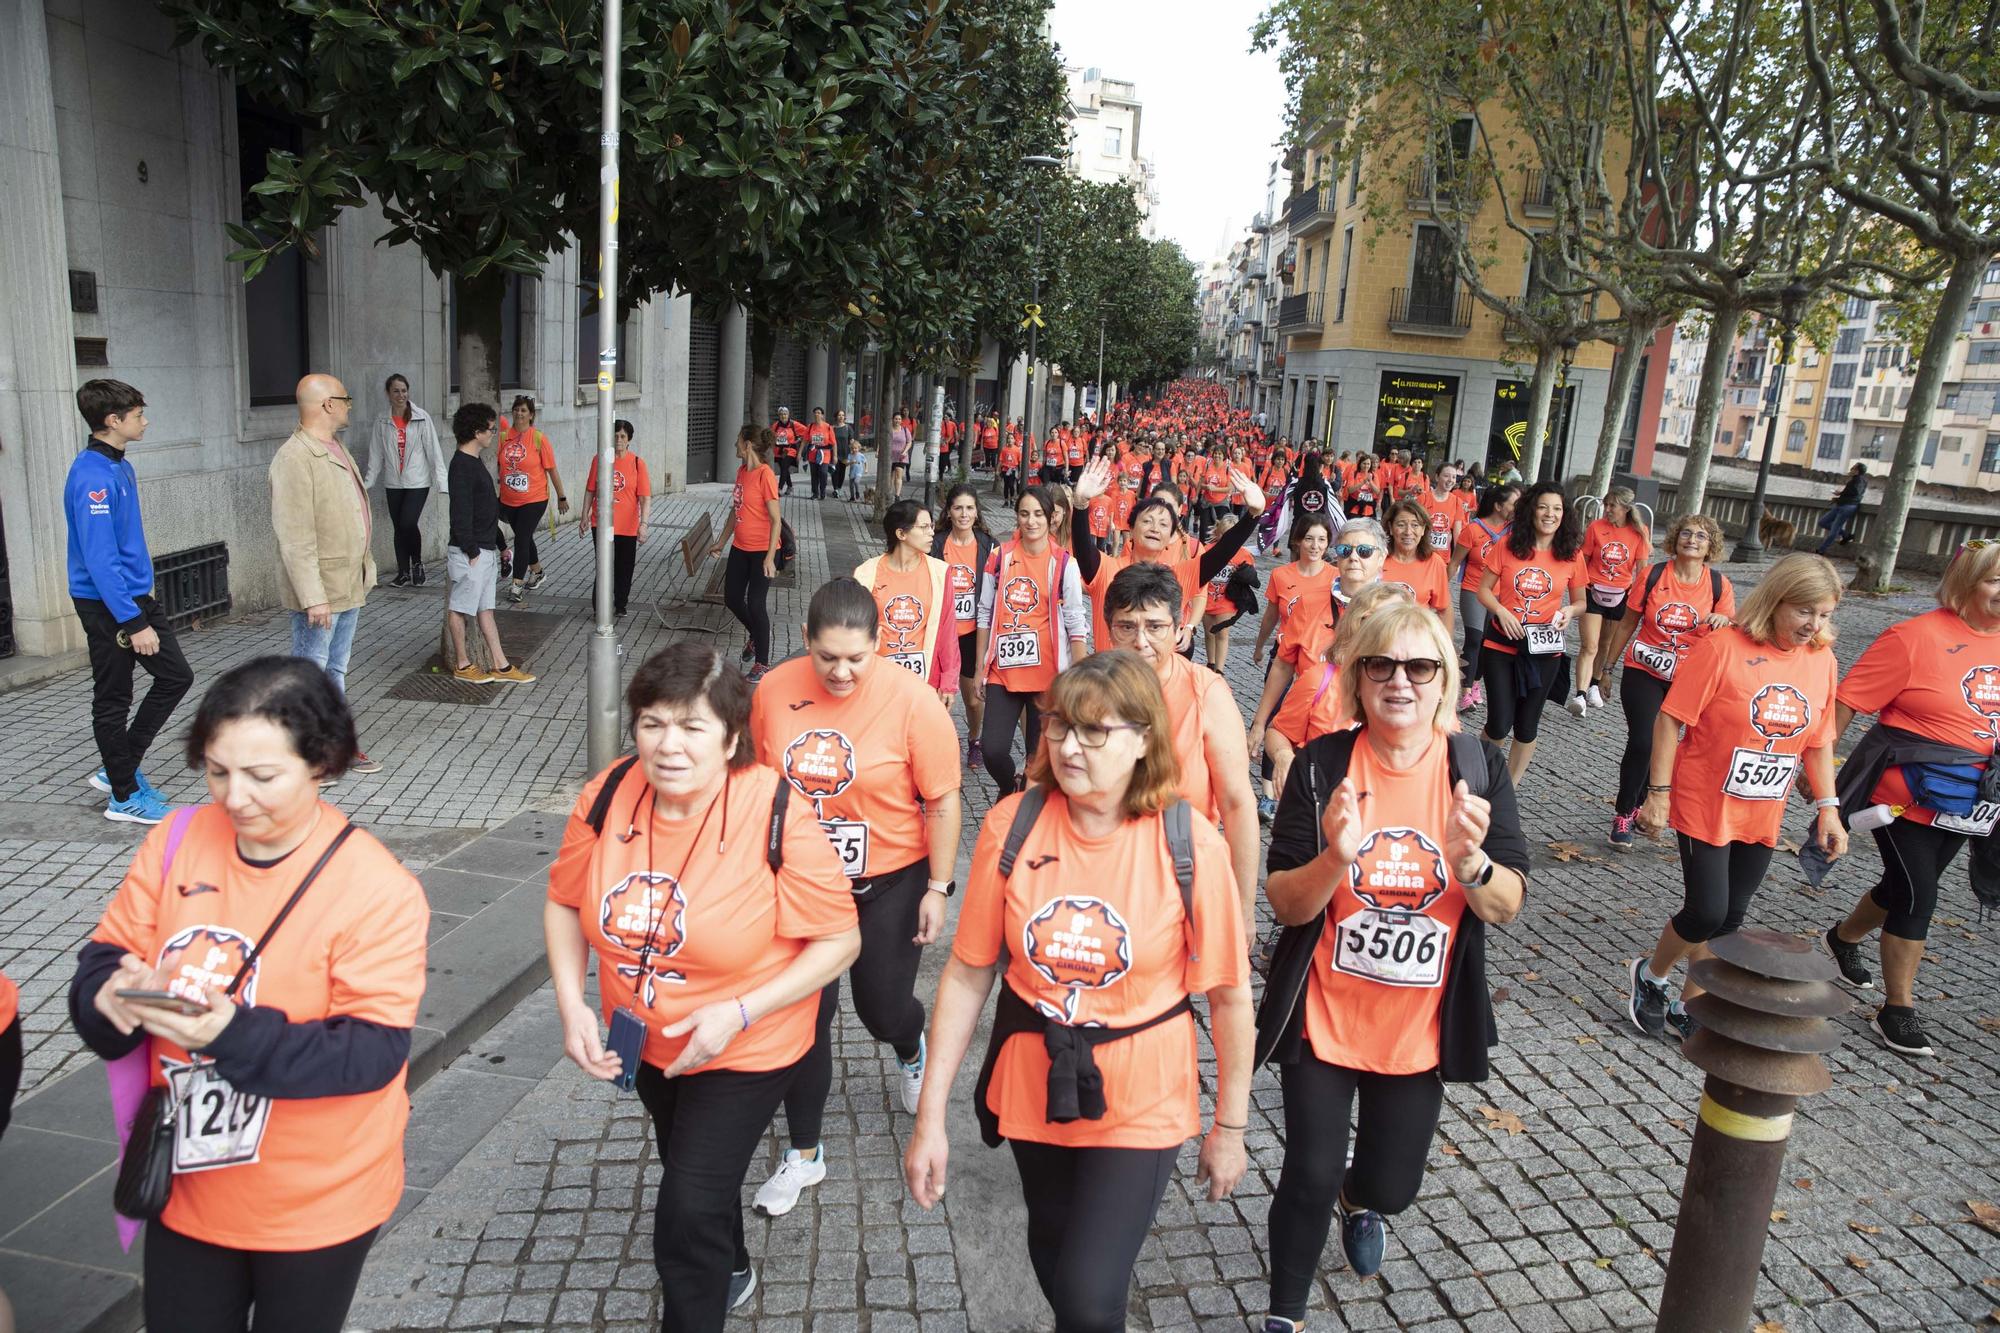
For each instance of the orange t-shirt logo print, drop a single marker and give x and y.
(1021, 595)
(1616, 558)
(1981, 687)
(1398, 870)
(1676, 619)
(1079, 944)
(207, 958)
(1532, 583)
(905, 615)
(820, 764)
(1779, 712)
(646, 905)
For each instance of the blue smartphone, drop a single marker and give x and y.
(628, 1039)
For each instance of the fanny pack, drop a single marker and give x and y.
(1950, 789)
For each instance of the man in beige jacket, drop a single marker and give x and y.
(320, 514)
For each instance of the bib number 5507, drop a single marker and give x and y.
(1757, 776)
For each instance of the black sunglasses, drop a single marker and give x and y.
(1418, 670)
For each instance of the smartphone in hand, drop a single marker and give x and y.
(160, 999)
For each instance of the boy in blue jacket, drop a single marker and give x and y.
(111, 585)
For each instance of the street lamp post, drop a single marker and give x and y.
(601, 678)
(1035, 303)
(1100, 370)
(1791, 305)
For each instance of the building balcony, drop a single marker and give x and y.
(1239, 365)
(1310, 210)
(1437, 314)
(1257, 273)
(1447, 182)
(1260, 225)
(1303, 313)
(1538, 194)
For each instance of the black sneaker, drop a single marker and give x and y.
(1681, 1022)
(1900, 1031)
(1648, 1003)
(742, 1286)
(417, 575)
(402, 579)
(1848, 958)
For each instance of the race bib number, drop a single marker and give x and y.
(1022, 648)
(1544, 640)
(1984, 817)
(516, 481)
(965, 607)
(1393, 948)
(217, 1126)
(1656, 658)
(850, 840)
(910, 662)
(1757, 776)
(1440, 541)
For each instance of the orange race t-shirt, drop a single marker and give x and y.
(1305, 613)
(1215, 481)
(903, 604)
(10, 1002)
(1311, 707)
(1079, 451)
(1674, 619)
(961, 559)
(1533, 589)
(1218, 587)
(1474, 538)
(525, 458)
(755, 488)
(1614, 556)
(1101, 513)
(1444, 523)
(1378, 973)
(1937, 676)
(303, 1173)
(1010, 456)
(1427, 578)
(629, 481)
(1095, 934)
(1750, 710)
(720, 922)
(863, 761)
(1194, 695)
(1026, 619)
(1186, 571)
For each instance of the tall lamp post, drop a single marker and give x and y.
(601, 678)
(1791, 307)
(1034, 320)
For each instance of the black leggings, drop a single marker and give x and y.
(747, 594)
(524, 519)
(122, 743)
(1399, 1117)
(707, 1126)
(1641, 694)
(885, 995)
(10, 1070)
(1504, 712)
(1914, 858)
(624, 555)
(406, 509)
(1718, 884)
(1089, 1211)
(195, 1287)
(996, 733)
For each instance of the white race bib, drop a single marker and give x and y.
(1544, 640)
(1757, 776)
(850, 839)
(965, 607)
(910, 662)
(1393, 948)
(1022, 648)
(516, 481)
(1984, 817)
(1440, 541)
(217, 1126)
(1656, 658)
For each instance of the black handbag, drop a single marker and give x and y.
(146, 1171)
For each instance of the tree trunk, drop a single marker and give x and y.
(886, 405)
(763, 350)
(478, 320)
(1541, 388)
(1624, 375)
(1967, 270)
(1708, 408)
(968, 378)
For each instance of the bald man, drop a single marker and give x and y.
(319, 513)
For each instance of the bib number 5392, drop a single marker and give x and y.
(1023, 648)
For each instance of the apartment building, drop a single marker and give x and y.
(1105, 116)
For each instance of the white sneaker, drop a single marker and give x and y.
(912, 1078)
(780, 1194)
(1576, 706)
(1595, 698)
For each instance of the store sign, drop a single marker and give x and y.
(1415, 411)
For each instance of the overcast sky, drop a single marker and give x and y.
(1213, 112)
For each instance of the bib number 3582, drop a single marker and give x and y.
(218, 1125)
(1544, 639)
(1394, 948)
(1757, 776)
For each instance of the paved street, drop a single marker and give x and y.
(544, 1219)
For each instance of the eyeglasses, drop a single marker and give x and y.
(1129, 631)
(1344, 550)
(340, 398)
(1417, 670)
(1090, 735)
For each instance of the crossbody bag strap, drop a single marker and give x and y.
(257, 949)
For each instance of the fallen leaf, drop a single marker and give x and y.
(1585, 1039)
(1450, 1151)
(1500, 995)
(1985, 1214)
(1991, 1281)
(1536, 976)
(1991, 1024)
(1601, 1261)
(1864, 1228)
(1803, 1182)
(1856, 1261)
(1788, 846)
(1677, 1123)
(1893, 1087)
(1569, 851)
(1507, 1120)
(1779, 1214)
(1769, 1326)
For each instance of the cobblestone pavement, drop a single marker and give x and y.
(1561, 1221)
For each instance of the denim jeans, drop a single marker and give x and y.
(1834, 523)
(328, 647)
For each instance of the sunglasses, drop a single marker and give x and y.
(1417, 670)
(1345, 549)
(1090, 735)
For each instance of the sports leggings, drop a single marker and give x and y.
(524, 519)
(747, 594)
(1472, 614)
(1505, 712)
(195, 1287)
(1399, 1117)
(707, 1125)
(885, 985)
(1914, 858)
(1089, 1211)
(1641, 694)
(996, 735)
(1718, 883)
(406, 512)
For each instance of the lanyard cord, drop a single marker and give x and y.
(652, 802)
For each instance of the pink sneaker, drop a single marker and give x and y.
(1475, 695)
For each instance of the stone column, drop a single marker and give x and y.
(730, 367)
(815, 384)
(39, 428)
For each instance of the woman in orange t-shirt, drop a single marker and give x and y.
(1532, 588)
(753, 533)
(293, 943)
(912, 590)
(965, 545)
(1616, 550)
(1757, 699)
(1220, 610)
(631, 501)
(1033, 622)
(10, 1051)
(1414, 562)
(715, 924)
(877, 758)
(1396, 860)
(527, 465)
(1486, 525)
(1104, 947)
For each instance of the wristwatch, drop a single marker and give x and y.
(1485, 876)
(945, 886)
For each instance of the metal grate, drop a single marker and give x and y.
(788, 380)
(82, 292)
(522, 633)
(704, 345)
(193, 584)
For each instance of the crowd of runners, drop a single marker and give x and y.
(779, 828)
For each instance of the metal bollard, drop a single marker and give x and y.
(1763, 1030)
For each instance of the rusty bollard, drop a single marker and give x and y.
(1763, 1029)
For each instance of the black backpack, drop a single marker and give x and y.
(1654, 574)
(774, 843)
